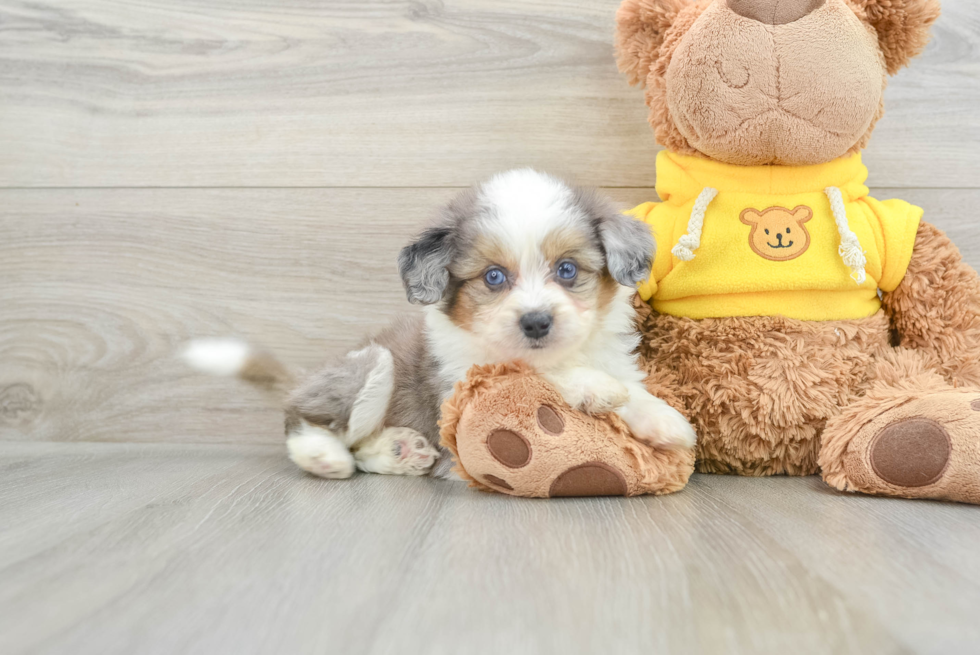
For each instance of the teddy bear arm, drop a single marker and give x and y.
(936, 308)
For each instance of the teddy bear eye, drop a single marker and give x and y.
(787, 230)
(767, 231)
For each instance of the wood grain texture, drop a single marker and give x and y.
(116, 548)
(209, 541)
(101, 287)
(384, 93)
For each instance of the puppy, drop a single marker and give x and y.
(521, 267)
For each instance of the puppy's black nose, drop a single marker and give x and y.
(536, 324)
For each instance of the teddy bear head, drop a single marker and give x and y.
(753, 82)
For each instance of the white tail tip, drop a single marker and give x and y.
(217, 356)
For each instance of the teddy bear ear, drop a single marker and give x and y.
(902, 27)
(640, 29)
(802, 213)
(750, 216)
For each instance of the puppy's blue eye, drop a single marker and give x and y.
(567, 270)
(494, 277)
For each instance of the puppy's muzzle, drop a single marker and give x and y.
(536, 325)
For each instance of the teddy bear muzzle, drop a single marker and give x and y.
(774, 12)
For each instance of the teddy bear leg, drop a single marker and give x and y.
(511, 432)
(916, 437)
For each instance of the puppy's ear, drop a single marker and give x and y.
(627, 243)
(902, 27)
(424, 263)
(640, 29)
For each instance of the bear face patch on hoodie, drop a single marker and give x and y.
(805, 242)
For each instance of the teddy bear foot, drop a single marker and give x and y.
(928, 447)
(511, 432)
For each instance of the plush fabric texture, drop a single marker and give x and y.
(902, 27)
(911, 435)
(880, 397)
(759, 389)
(773, 12)
(644, 52)
(801, 92)
(773, 395)
(745, 92)
(936, 308)
(510, 432)
(740, 267)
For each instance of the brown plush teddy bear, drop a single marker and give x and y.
(802, 325)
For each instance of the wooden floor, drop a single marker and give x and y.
(155, 548)
(173, 169)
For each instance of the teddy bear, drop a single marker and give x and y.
(803, 326)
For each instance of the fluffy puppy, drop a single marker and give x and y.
(520, 267)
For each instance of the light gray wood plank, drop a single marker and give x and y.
(384, 93)
(135, 548)
(101, 287)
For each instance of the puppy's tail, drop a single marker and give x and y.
(235, 358)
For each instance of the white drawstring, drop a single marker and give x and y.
(684, 250)
(850, 248)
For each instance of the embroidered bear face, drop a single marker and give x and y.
(778, 234)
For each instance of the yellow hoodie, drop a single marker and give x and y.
(799, 241)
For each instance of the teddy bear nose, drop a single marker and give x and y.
(774, 12)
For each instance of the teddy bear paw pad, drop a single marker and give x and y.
(549, 420)
(912, 452)
(498, 482)
(509, 448)
(590, 479)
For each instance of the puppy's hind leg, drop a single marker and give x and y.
(396, 451)
(338, 408)
(320, 452)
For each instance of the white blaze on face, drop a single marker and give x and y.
(528, 207)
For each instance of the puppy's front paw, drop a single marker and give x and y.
(653, 421)
(593, 392)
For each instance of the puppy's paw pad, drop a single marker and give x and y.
(396, 451)
(590, 479)
(509, 448)
(415, 454)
